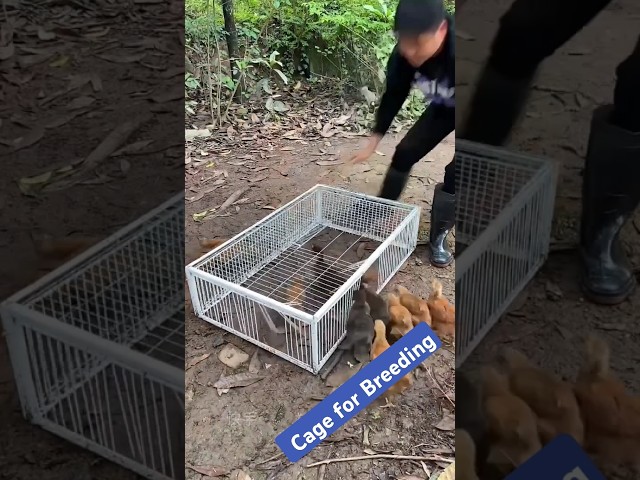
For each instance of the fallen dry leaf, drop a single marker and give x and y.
(62, 119)
(328, 163)
(202, 193)
(132, 148)
(7, 51)
(259, 178)
(110, 144)
(208, 471)
(136, 57)
(254, 364)
(31, 138)
(238, 380)
(197, 133)
(195, 361)
(125, 166)
(60, 62)
(80, 102)
(447, 424)
(201, 216)
(45, 35)
(170, 96)
(328, 131)
(232, 198)
(449, 472)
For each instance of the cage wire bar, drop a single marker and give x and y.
(270, 287)
(97, 346)
(504, 215)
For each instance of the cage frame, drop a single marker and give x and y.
(312, 321)
(14, 315)
(545, 177)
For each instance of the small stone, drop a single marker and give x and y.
(553, 291)
(232, 356)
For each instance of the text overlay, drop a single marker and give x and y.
(358, 392)
(560, 459)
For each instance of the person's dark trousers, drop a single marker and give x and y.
(431, 128)
(435, 123)
(529, 32)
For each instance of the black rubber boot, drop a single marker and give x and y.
(495, 107)
(610, 194)
(393, 184)
(443, 219)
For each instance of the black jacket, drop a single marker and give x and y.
(435, 78)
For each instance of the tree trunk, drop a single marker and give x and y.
(232, 45)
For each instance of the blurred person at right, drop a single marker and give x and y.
(529, 32)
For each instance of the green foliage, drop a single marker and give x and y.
(345, 39)
(352, 35)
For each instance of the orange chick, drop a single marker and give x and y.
(465, 456)
(443, 314)
(211, 244)
(611, 416)
(53, 252)
(295, 292)
(63, 249)
(600, 394)
(512, 424)
(552, 400)
(204, 246)
(416, 305)
(380, 344)
(439, 307)
(370, 278)
(400, 322)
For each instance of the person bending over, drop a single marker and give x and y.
(424, 57)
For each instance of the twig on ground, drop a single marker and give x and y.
(428, 458)
(432, 450)
(430, 372)
(323, 468)
(277, 455)
(561, 247)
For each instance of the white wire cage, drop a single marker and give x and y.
(504, 215)
(97, 346)
(286, 284)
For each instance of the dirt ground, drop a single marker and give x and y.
(550, 317)
(236, 430)
(77, 71)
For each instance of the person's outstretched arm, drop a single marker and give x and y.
(398, 85)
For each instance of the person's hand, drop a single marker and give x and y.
(363, 154)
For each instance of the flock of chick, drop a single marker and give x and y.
(507, 415)
(376, 322)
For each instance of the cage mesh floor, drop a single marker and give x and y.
(306, 279)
